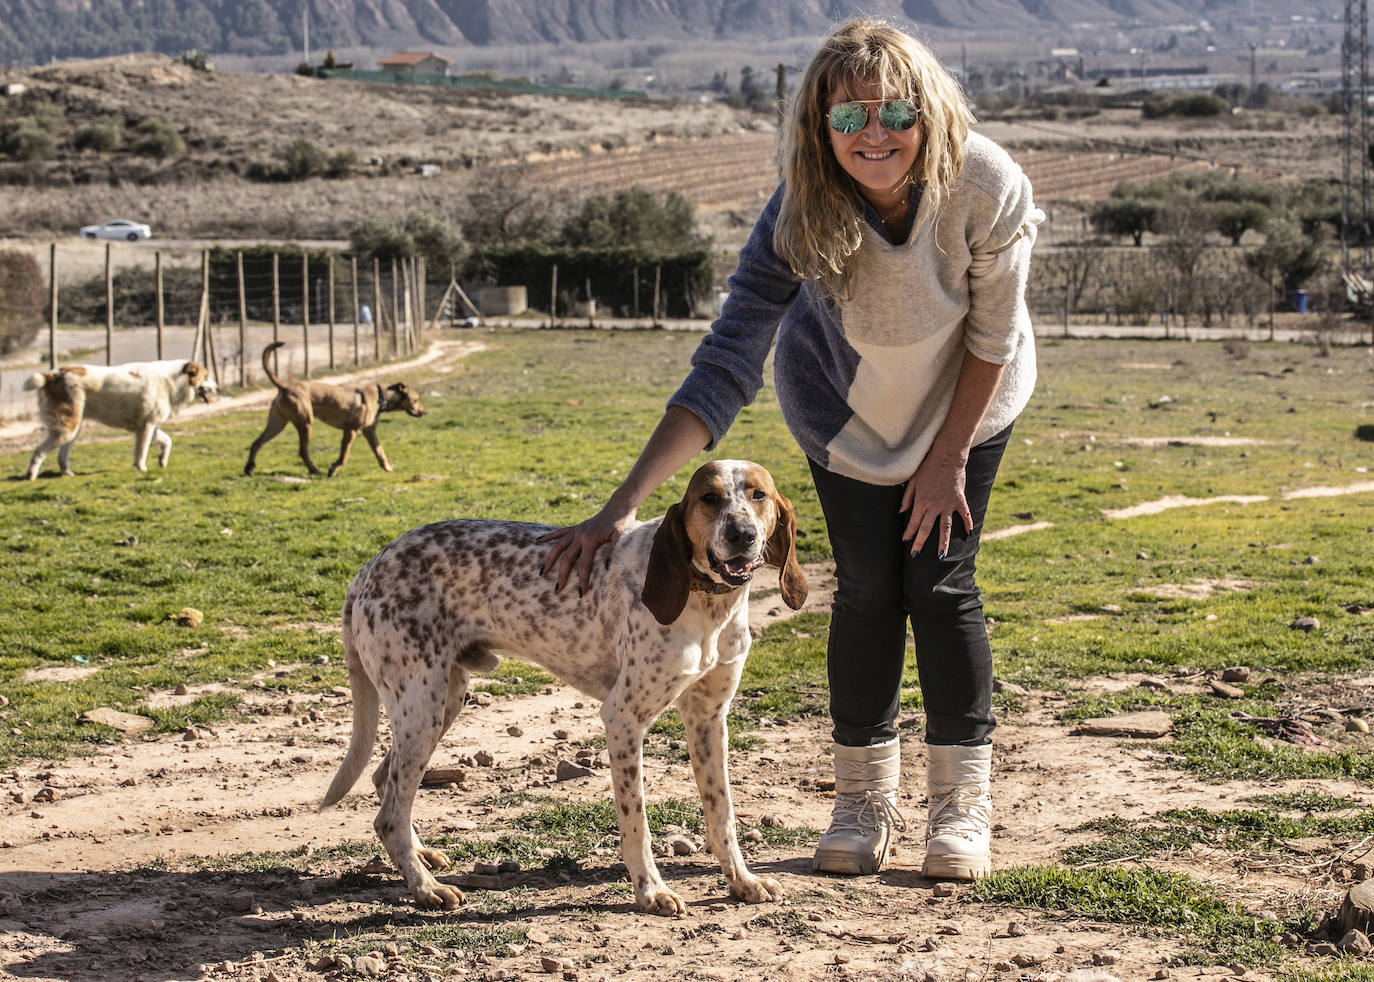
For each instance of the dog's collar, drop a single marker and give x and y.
(381, 395)
(702, 583)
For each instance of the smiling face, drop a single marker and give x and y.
(878, 159)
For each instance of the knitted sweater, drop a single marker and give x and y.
(865, 384)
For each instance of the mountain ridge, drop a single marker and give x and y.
(38, 31)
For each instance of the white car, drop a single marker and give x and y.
(120, 228)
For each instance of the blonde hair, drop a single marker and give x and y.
(820, 224)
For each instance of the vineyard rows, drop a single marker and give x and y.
(740, 171)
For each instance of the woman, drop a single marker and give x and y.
(891, 264)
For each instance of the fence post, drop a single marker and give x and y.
(353, 269)
(407, 305)
(109, 308)
(331, 311)
(276, 310)
(395, 308)
(658, 275)
(52, 307)
(553, 297)
(419, 298)
(591, 319)
(157, 285)
(376, 308)
(635, 308)
(203, 322)
(243, 323)
(305, 309)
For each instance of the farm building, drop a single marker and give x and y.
(415, 63)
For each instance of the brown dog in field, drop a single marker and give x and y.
(350, 410)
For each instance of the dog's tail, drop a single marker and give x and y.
(267, 362)
(365, 717)
(37, 380)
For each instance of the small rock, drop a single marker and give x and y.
(45, 794)
(1004, 966)
(772, 822)
(1324, 948)
(1305, 624)
(1161, 973)
(189, 617)
(371, 966)
(1226, 691)
(1017, 930)
(1311, 561)
(1010, 688)
(1106, 957)
(561, 734)
(1356, 943)
(514, 730)
(682, 846)
(1147, 725)
(1150, 682)
(1356, 725)
(1239, 673)
(181, 690)
(751, 835)
(1025, 959)
(324, 963)
(550, 964)
(568, 771)
(942, 890)
(483, 759)
(841, 958)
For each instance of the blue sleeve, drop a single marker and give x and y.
(727, 367)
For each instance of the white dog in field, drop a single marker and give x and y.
(138, 396)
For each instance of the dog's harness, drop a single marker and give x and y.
(702, 583)
(381, 396)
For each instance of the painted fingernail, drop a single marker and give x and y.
(579, 593)
(942, 554)
(541, 569)
(608, 562)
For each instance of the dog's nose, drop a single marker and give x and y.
(740, 536)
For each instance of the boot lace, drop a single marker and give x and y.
(961, 811)
(865, 813)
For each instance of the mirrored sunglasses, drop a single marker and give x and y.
(894, 114)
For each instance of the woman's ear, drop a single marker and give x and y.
(782, 553)
(668, 577)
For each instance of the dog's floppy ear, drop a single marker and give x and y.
(782, 553)
(668, 577)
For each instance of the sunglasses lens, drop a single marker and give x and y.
(848, 117)
(899, 114)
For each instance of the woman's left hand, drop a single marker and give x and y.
(935, 497)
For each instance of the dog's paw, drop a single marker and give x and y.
(433, 859)
(757, 889)
(662, 902)
(439, 896)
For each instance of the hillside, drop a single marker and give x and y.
(38, 31)
(236, 129)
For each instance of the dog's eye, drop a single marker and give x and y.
(711, 498)
(759, 494)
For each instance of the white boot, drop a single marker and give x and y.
(865, 811)
(959, 831)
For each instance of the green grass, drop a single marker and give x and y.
(543, 425)
(1175, 905)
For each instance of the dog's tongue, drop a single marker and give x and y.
(738, 566)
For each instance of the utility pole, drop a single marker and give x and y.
(305, 30)
(1254, 87)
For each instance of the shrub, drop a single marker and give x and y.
(437, 238)
(158, 138)
(634, 218)
(101, 135)
(1160, 104)
(24, 139)
(21, 314)
(196, 59)
(342, 163)
(303, 159)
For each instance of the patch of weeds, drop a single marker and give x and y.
(788, 923)
(1348, 969)
(206, 709)
(1231, 831)
(1218, 748)
(515, 678)
(791, 837)
(1259, 701)
(1304, 801)
(785, 676)
(1217, 932)
(590, 824)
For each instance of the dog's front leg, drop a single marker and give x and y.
(375, 443)
(165, 443)
(703, 708)
(142, 438)
(624, 744)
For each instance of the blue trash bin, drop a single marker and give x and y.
(1300, 301)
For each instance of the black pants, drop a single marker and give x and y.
(880, 584)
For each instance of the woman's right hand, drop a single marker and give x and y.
(574, 547)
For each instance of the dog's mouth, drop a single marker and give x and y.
(736, 571)
(205, 393)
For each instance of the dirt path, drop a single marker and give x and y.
(97, 880)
